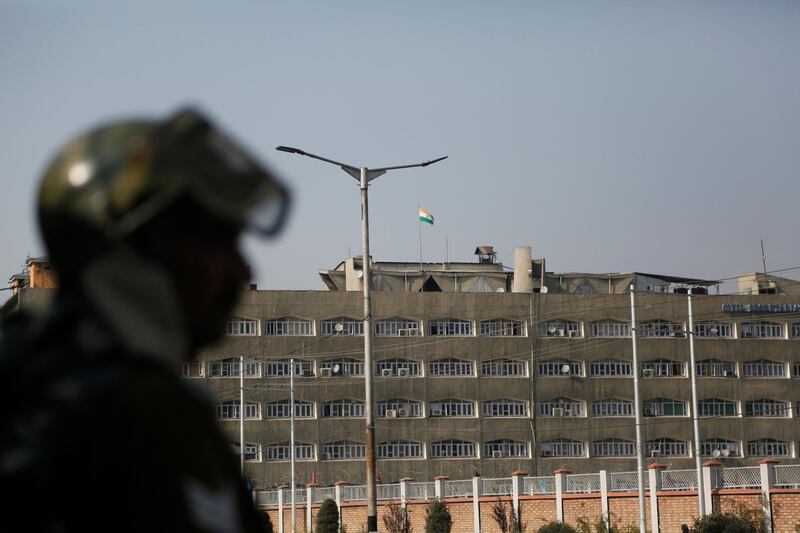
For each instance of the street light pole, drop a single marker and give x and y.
(364, 176)
(637, 406)
(701, 500)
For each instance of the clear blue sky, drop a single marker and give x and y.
(610, 136)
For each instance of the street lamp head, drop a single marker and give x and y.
(289, 149)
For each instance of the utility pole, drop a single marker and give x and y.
(241, 413)
(637, 411)
(291, 441)
(701, 502)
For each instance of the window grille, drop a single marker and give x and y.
(613, 448)
(505, 448)
(343, 450)
(401, 407)
(452, 407)
(609, 328)
(502, 327)
(563, 448)
(564, 407)
(610, 368)
(237, 327)
(400, 449)
(230, 410)
(350, 326)
(796, 370)
(764, 407)
(283, 368)
(290, 327)
(343, 408)
(504, 407)
(450, 367)
(714, 368)
(660, 328)
(393, 366)
(283, 409)
(558, 328)
(559, 367)
(713, 329)
(452, 448)
(231, 366)
(667, 447)
(761, 330)
(503, 367)
(252, 453)
(612, 407)
(769, 448)
(346, 366)
(282, 451)
(708, 446)
(450, 327)
(717, 407)
(394, 327)
(664, 407)
(764, 369)
(664, 368)
(796, 330)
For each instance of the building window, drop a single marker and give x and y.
(452, 407)
(505, 448)
(502, 327)
(504, 407)
(563, 448)
(666, 448)
(610, 368)
(769, 448)
(664, 407)
(609, 328)
(503, 368)
(719, 447)
(283, 367)
(796, 330)
(238, 327)
(344, 408)
(231, 367)
(452, 448)
(613, 448)
(713, 329)
(396, 327)
(289, 327)
(559, 367)
(397, 367)
(763, 368)
(350, 326)
(343, 450)
(558, 328)
(714, 368)
(450, 327)
(761, 330)
(716, 407)
(252, 452)
(399, 408)
(612, 407)
(282, 409)
(400, 449)
(796, 370)
(764, 407)
(230, 410)
(450, 367)
(560, 407)
(282, 451)
(660, 328)
(194, 369)
(342, 367)
(661, 368)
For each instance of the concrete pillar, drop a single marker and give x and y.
(311, 495)
(767, 482)
(281, 507)
(477, 488)
(404, 490)
(654, 471)
(561, 487)
(605, 485)
(337, 494)
(710, 474)
(523, 281)
(517, 488)
(438, 483)
(353, 277)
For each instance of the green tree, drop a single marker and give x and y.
(438, 519)
(556, 527)
(396, 519)
(328, 517)
(726, 523)
(268, 528)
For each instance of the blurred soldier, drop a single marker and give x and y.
(99, 432)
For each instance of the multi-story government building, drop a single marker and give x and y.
(480, 368)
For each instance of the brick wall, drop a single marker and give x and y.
(675, 509)
(624, 510)
(785, 512)
(588, 507)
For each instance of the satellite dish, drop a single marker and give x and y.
(716, 453)
(726, 453)
(551, 329)
(336, 368)
(501, 289)
(565, 369)
(544, 290)
(360, 274)
(339, 327)
(713, 330)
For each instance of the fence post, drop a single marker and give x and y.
(561, 487)
(311, 495)
(438, 483)
(517, 488)
(654, 471)
(337, 494)
(767, 467)
(710, 475)
(605, 483)
(477, 488)
(281, 505)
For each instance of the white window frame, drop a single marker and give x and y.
(502, 327)
(281, 409)
(667, 447)
(391, 327)
(351, 327)
(609, 329)
(194, 369)
(568, 406)
(241, 327)
(414, 368)
(715, 368)
(504, 408)
(450, 327)
(764, 368)
(724, 330)
(283, 368)
(655, 329)
(613, 408)
(231, 366)
(559, 328)
(610, 368)
(400, 449)
(708, 446)
(282, 451)
(767, 447)
(665, 368)
(658, 406)
(767, 408)
(505, 448)
(613, 447)
(414, 407)
(347, 366)
(563, 448)
(504, 368)
(343, 408)
(451, 367)
(795, 330)
(717, 408)
(552, 368)
(453, 449)
(452, 408)
(343, 450)
(289, 326)
(229, 410)
(761, 329)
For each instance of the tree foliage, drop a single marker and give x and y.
(438, 519)
(727, 523)
(556, 527)
(328, 517)
(396, 519)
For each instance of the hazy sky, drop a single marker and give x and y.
(611, 136)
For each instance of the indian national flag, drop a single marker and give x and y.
(424, 216)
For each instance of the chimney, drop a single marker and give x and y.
(523, 281)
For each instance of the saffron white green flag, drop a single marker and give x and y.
(424, 216)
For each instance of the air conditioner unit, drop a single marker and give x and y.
(413, 332)
(567, 412)
(391, 413)
(402, 332)
(559, 333)
(547, 453)
(648, 373)
(325, 372)
(402, 372)
(436, 412)
(649, 411)
(497, 453)
(574, 334)
(323, 456)
(402, 412)
(558, 411)
(308, 373)
(386, 372)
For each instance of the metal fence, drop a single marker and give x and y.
(389, 492)
(324, 493)
(539, 485)
(421, 491)
(740, 477)
(678, 480)
(498, 486)
(458, 489)
(583, 483)
(354, 493)
(787, 476)
(627, 482)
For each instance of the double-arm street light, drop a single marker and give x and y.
(365, 175)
